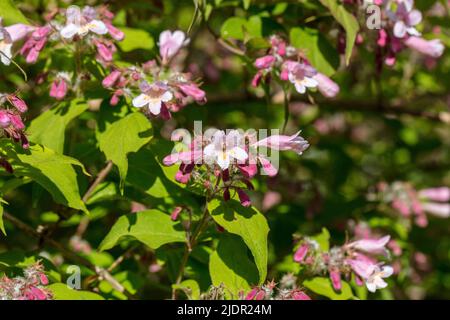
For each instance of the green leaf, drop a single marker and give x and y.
(136, 39)
(323, 287)
(62, 292)
(126, 135)
(249, 224)
(240, 29)
(322, 55)
(151, 227)
(230, 265)
(11, 14)
(347, 21)
(190, 288)
(48, 128)
(53, 171)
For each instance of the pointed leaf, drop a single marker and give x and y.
(249, 224)
(151, 227)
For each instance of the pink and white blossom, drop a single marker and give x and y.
(170, 44)
(153, 96)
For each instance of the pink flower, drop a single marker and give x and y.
(405, 20)
(175, 213)
(441, 194)
(264, 62)
(192, 90)
(59, 88)
(170, 43)
(370, 245)
(301, 75)
(362, 265)
(111, 79)
(19, 31)
(153, 96)
(271, 198)
(4, 119)
(18, 103)
(115, 33)
(326, 86)
(280, 142)
(441, 210)
(433, 48)
(80, 23)
(35, 43)
(105, 50)
(299, 295)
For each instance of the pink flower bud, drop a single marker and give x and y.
(251, 295)
(300, 295)
(335, 277)
(193, 91)
(43, 278)
(115, 33)
(4, 119)
(433, 48)
(18, 103)
(284, 75)
(104, 51)
(175, 213)
(257, 79)
(301, 253)
(260, 295)
(111, 79)
(244, 198)
(59, 88)
(264, 62)
(382, 38)
(441, 194)
(16, 121)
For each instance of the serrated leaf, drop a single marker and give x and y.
(136, 39)
(53, 171)
(123, 137)
(323, 287)
(49, 127)
(151, 227)
(230, 265)
(322, 55)
(10, 14)
(62, 292)
(249, 224)
(347, 21)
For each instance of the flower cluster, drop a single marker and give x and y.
(286, 63)
(286, 290)
(11, 124)
(29, 287)
(359, 257)
(87, 31)
(412, 203)
(231, 158)
(398, 30)
(161, 90)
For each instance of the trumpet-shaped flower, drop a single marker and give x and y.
(153, 96)
(81, 23)
(224, 148)
(170, 43)
(375, 280)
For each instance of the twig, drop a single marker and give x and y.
(102, 273)
(100, 177)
